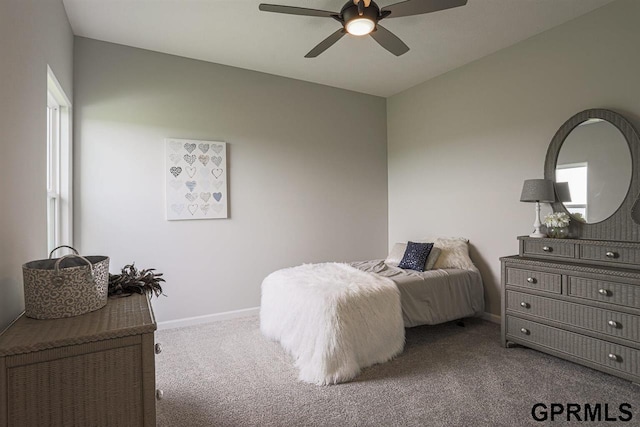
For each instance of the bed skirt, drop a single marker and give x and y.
(333, 319)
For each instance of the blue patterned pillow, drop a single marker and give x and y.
(415, 256)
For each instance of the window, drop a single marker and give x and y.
(576, 175)
(59, 165)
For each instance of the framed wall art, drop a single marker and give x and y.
(196, 179)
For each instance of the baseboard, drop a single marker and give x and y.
(235, 314)
(494, 318)
(208, 318)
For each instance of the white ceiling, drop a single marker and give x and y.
(236, 33)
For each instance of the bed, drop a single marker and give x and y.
(433, 296)
(337, 318)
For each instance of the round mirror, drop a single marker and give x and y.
(595, 163)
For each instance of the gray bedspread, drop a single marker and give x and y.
(433, 296)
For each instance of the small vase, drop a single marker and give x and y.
(558, 232)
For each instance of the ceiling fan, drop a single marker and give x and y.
(361, 17)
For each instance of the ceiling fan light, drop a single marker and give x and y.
(360, 26)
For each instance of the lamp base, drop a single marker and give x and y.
(537, 224)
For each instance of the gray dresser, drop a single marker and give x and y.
(97, 369)
(576, 299)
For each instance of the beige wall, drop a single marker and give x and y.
(460, 145)
(307, 162)
(307, 173)
(33, 33)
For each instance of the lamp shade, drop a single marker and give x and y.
(538, 190)
(562, 192)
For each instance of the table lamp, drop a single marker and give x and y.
(537, 190)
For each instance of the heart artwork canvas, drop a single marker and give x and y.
(204, 165)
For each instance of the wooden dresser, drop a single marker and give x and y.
(576, 299)
(97, 369)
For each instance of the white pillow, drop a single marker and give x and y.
(396, 254)
(434, 238)
(455, 254)
(433, 257)
(398, 250)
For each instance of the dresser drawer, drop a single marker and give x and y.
(548, 282)
(553, 249)
(610, 254)
(600, 352)
(609, 322)
(600, 290)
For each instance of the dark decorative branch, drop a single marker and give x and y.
(133, 280)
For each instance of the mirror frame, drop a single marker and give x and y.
(621, 225)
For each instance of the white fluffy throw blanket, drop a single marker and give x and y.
(333, 319)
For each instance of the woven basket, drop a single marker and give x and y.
(66, 286)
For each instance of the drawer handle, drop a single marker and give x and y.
(613, 324)
(604, 292)
(615, 357)
(525, 304)
(610, 254)
(531, 279)
(525, 331)
(158, 348)
(160, 393)
(547, 248)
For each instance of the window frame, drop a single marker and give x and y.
(572, 205)
(59, 165)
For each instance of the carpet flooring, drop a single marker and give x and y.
(227, 374)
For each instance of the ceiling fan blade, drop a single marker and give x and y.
(326, 43)
(389, 41)
(292, 10)
(418, 7)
